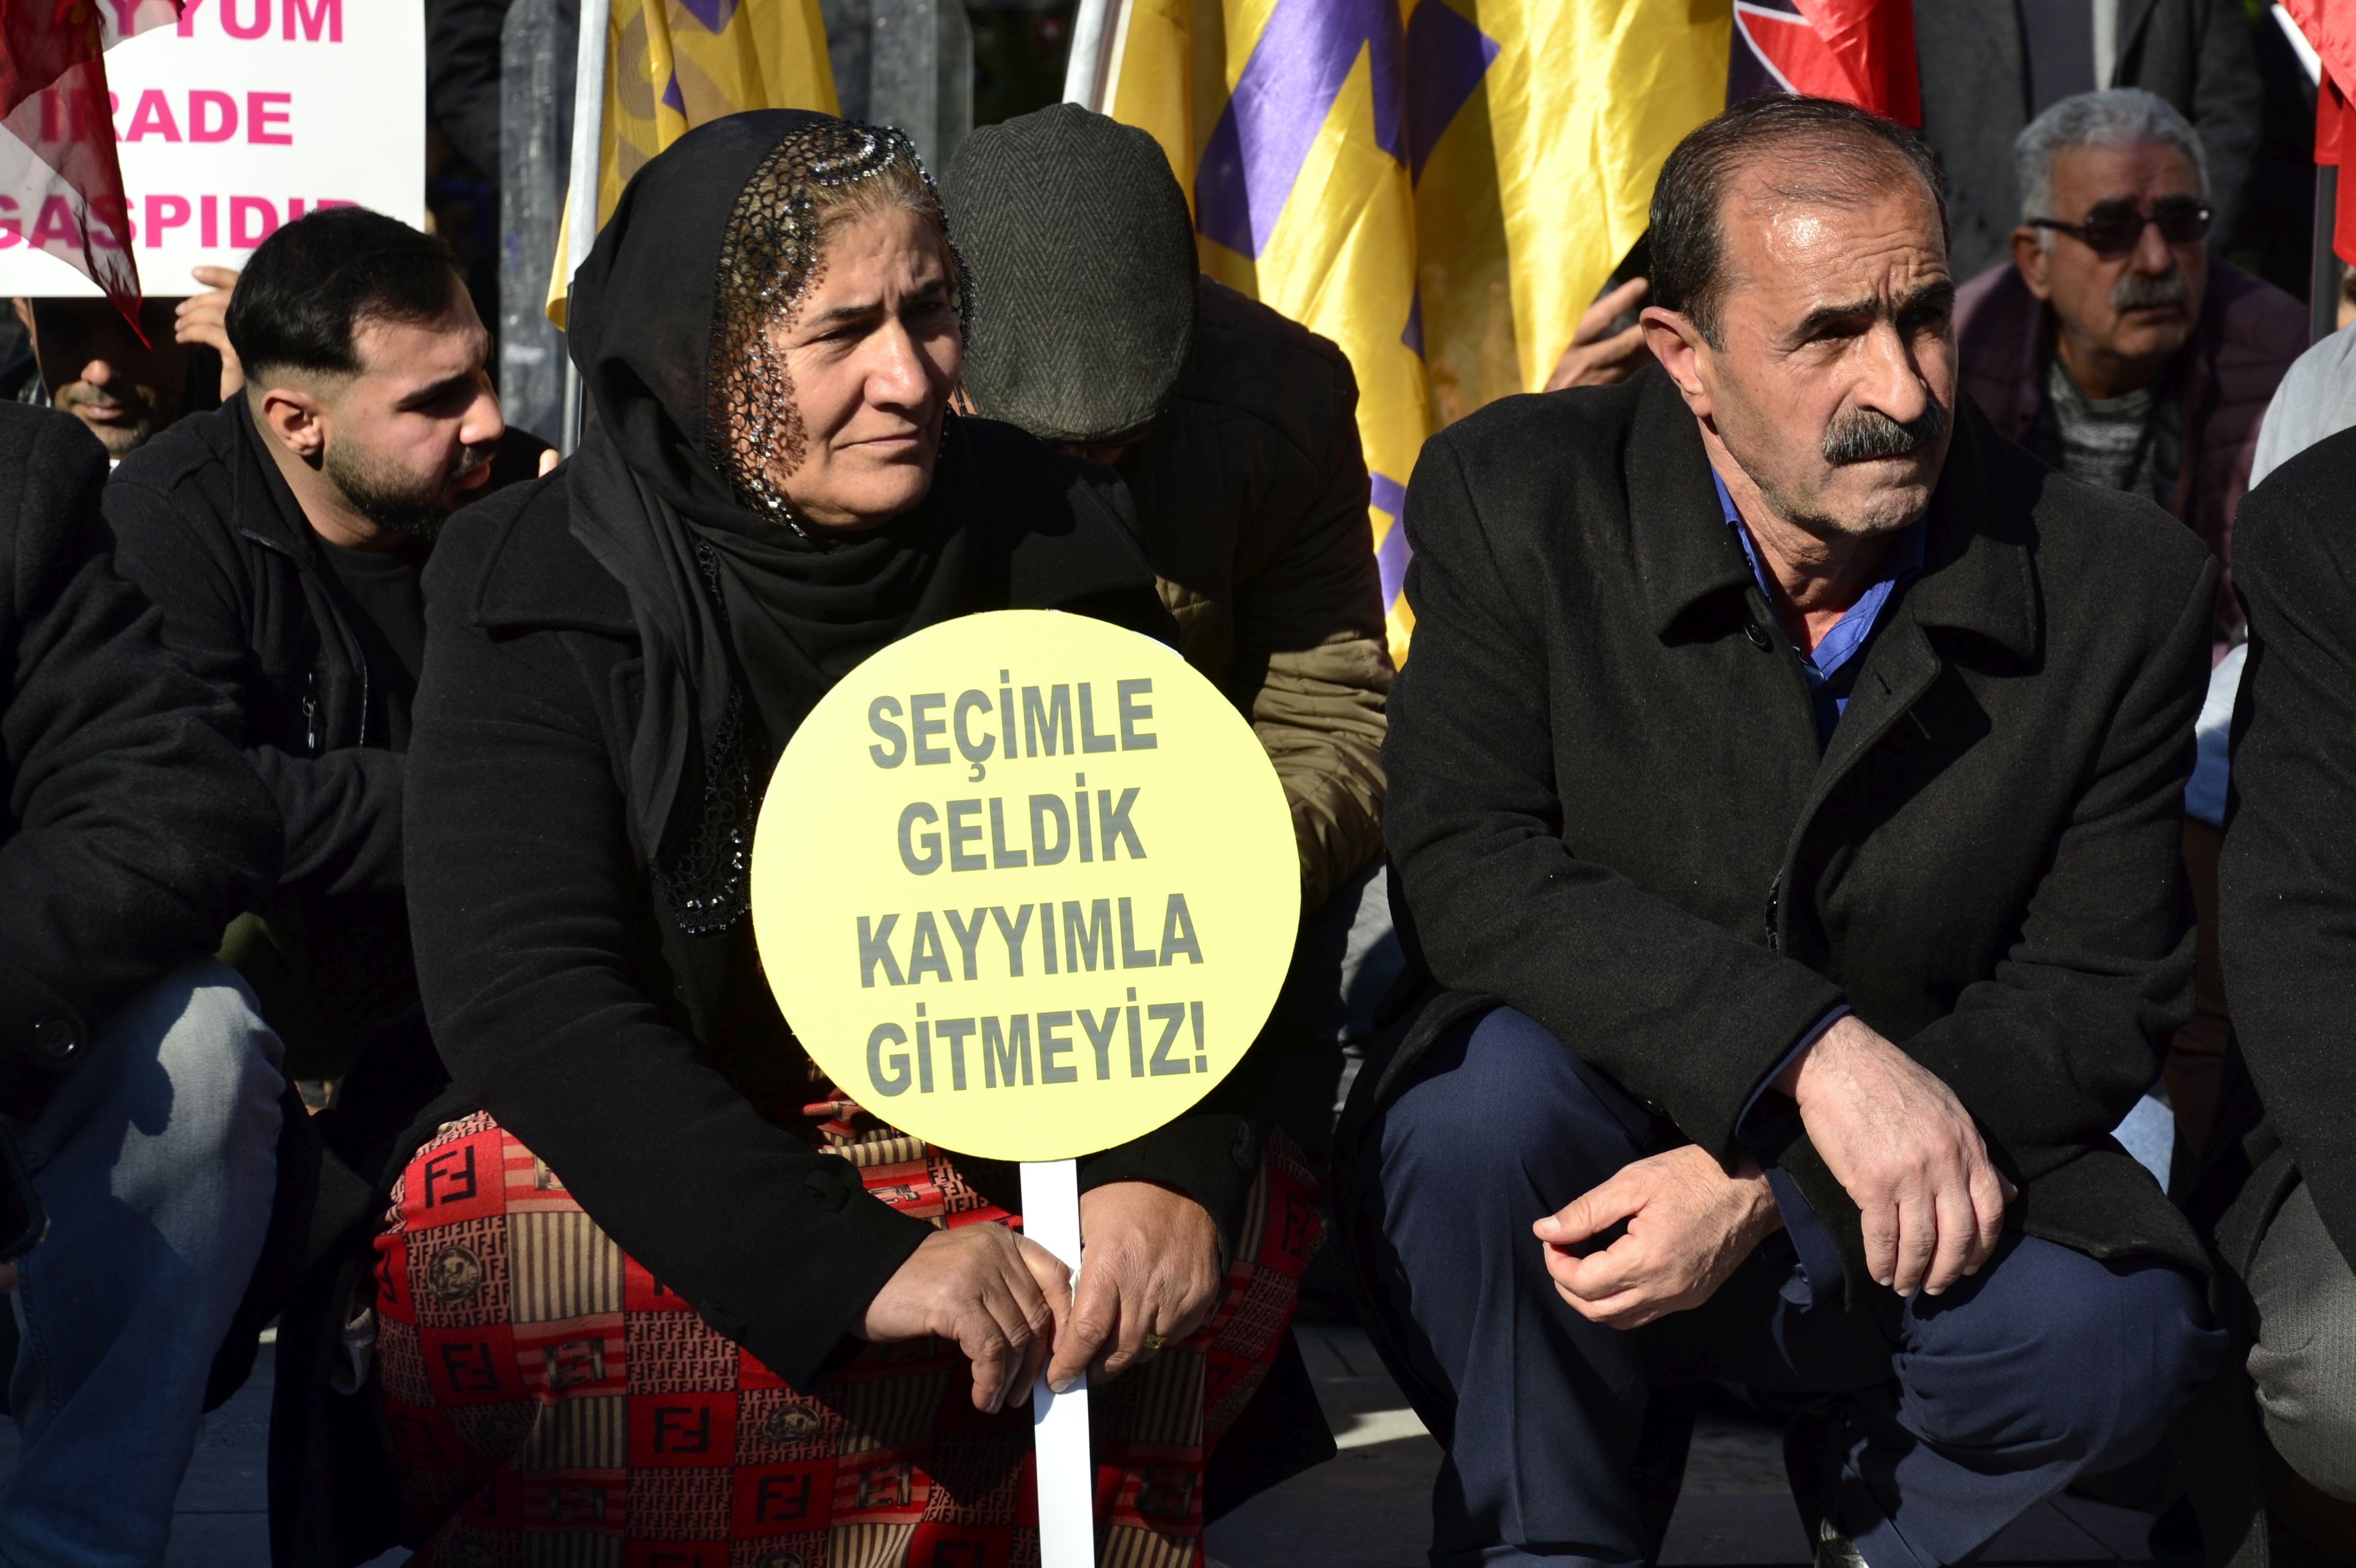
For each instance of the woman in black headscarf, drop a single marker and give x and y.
(654, 1277)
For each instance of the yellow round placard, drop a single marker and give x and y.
(1025, 885)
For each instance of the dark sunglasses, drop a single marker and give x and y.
(2115, 227)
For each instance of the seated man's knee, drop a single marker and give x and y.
(2083, 1360)
(2147, 1324)
(2304, 1363)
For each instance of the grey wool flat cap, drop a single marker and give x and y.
(1083, 257)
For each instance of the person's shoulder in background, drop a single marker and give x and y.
(2101, 552)
(2292, 524)
(2316, 399)
(2000, 294)
(1253, 356)
(2262, 328)
(1999, 337)
(1254, 367)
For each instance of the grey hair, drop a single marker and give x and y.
(2116, 118)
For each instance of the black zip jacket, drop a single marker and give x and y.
(206, 525)
(129, 833)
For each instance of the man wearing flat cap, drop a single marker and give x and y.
(1235, 430)
(1785, 808)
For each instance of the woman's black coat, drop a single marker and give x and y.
(1609, 807)
(565, 998)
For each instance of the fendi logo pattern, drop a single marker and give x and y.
(550, 1401)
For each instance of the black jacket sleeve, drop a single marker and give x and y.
(1680, 1013)
(341, 809)
(2287, 882)
(134, 831)
(539, 964)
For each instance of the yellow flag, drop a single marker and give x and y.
(671, 65)
(1440, 187)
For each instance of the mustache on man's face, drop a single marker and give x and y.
(1860, 435)
(2142, 291)
(472, 457)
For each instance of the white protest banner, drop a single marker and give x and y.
(1025, 887)
(246, 116)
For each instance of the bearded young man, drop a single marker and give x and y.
(1784, 792)
(282, 536)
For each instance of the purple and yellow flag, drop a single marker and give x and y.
(671, 65)
(1440, 187)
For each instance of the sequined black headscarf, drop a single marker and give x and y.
(746, 619)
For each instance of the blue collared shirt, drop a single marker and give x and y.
(1829, 677)
(1834, 652)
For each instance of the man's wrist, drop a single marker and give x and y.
(1788, 1077)
(1766, 1216)
(1764, 1121)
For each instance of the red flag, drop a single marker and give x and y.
(2329, 29)
(60, 183)
(1861, 51)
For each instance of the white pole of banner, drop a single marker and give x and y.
(1059, 1422)
(1094, 31)
(581, 197)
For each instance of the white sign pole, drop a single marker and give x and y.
(1059, 1422)
(581, 200)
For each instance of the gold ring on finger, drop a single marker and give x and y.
(1155, 1341)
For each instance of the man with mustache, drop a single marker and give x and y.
(81, 356)
(1784, 791)
(2114, 345)
(282, 536)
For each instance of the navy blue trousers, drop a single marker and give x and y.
(1953, 1415)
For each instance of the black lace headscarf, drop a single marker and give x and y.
(746, 617)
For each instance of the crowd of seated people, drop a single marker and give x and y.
(1780, 854)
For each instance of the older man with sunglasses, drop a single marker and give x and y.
(2114, 345)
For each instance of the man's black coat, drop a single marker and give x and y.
(204, 524)
(207, 530)
(131, 830)
(1609, 809)
(2288, 878)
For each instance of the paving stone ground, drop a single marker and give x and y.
(1367, 1508)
